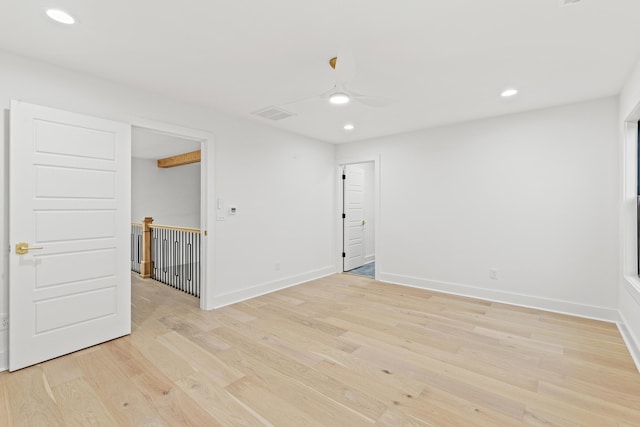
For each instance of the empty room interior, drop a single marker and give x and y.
(329, 213)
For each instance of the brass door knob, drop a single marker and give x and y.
(23, 248)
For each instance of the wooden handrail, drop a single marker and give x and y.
(170, 227)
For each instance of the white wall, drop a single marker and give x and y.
(282, 183)
(284, 222)
(629, 303)
(171, 196)
(532, 195)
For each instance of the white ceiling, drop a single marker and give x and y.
(439, 61)
(147, 144)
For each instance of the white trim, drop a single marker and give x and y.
(632, 284)
(368, 259)
(529, 301)
(628, 229)
(630, 340)
(340, 163)
(207, 196)
(268, 287)
(339, 239)
(628, 223)
(171, 129)
(4, 235)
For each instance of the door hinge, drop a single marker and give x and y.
(344, 216)
(344, 255)
(344, 176)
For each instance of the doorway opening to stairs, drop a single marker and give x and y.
(167, 205)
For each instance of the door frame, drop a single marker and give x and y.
(629, 200)
(207, 196)
(4, 238)
(629, 257)
(340, 163)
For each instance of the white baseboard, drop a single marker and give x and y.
(4, 361)
(265, 288)
(369, 258)
(547, 304)
(630, 340)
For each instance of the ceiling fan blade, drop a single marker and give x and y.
(373, 101)
(345, 66)
(324, 95)
(369, 100)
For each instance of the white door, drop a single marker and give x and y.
(69, 200)
(354, 217)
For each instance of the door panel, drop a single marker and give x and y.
(60, 269)
(67, 225)
(54, 137)
(70, 191)
(57, 182)
(54, 313)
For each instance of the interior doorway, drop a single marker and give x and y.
(359, 219)
(169, 199)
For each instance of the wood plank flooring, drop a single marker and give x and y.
(339, 351)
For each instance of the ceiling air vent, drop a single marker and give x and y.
(564, 3)
(273, 113)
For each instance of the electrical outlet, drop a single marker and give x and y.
(4, 323)
(493, 274)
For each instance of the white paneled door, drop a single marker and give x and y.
(69, 216)
(354, 217)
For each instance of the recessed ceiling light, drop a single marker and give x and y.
(349, 127)
(509, 92)
(339, 98)
(60, 16)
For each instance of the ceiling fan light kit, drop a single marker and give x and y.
(60, 16)
(339, 98)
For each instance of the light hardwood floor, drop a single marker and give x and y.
(339, 351)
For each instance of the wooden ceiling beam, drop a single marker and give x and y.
(180, 159)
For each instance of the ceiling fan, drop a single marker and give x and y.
(339, 94)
